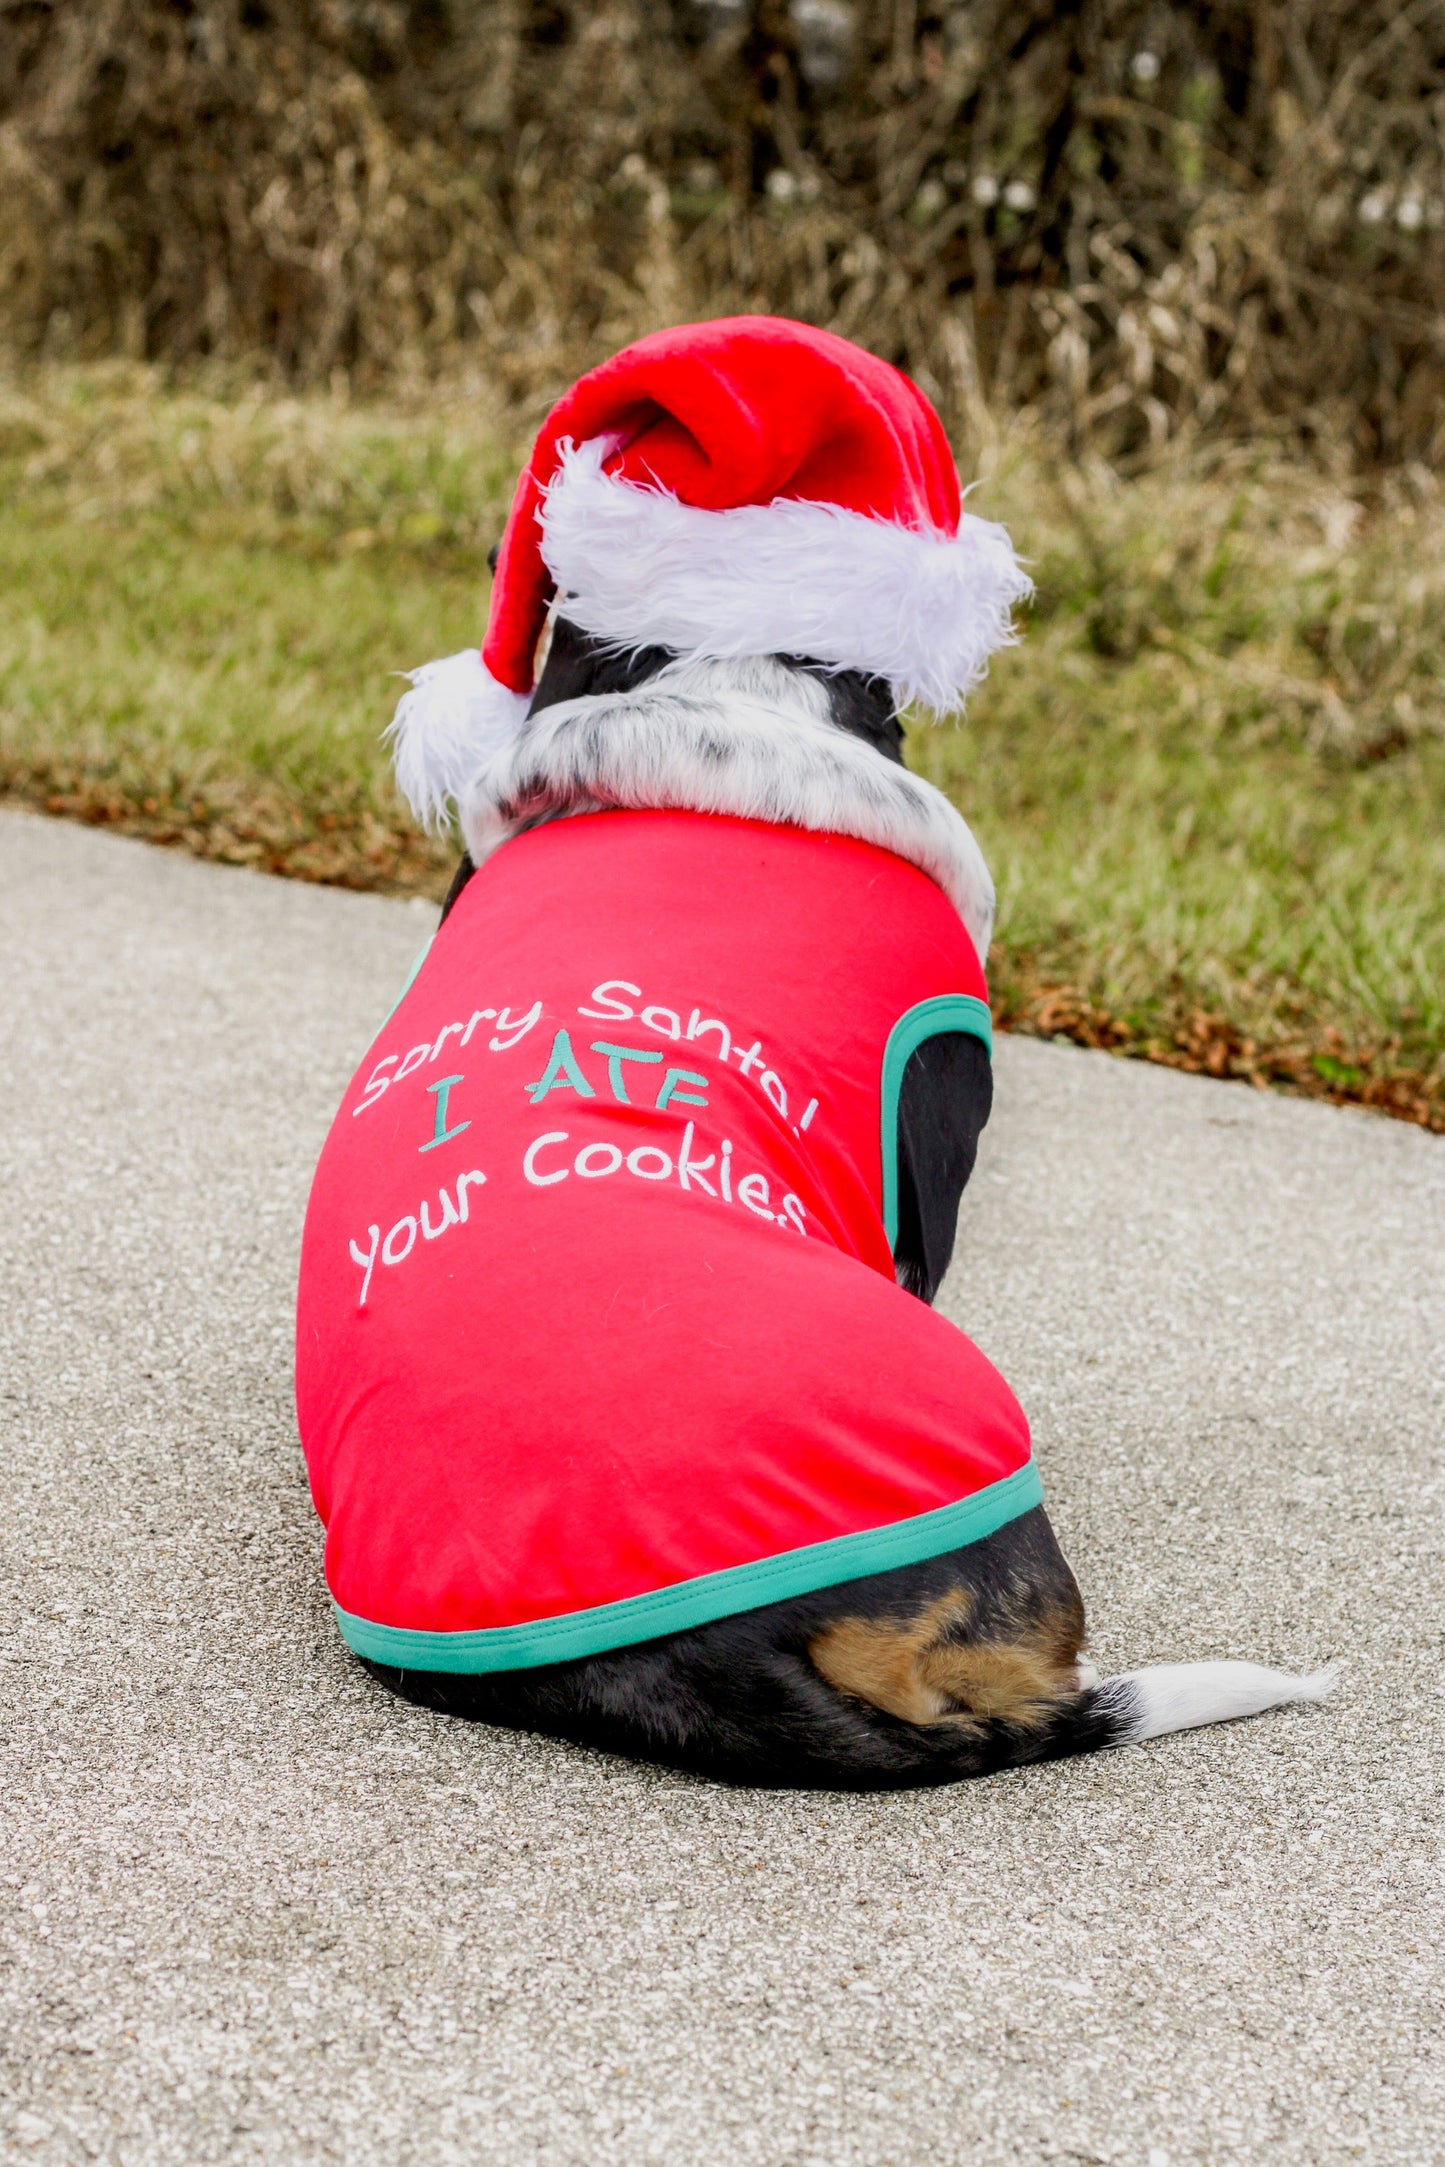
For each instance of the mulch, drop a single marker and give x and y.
(1319, 1063)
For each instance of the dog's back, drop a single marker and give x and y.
(621, 1420)
(600, 1334)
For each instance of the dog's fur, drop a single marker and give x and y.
(963, 1664)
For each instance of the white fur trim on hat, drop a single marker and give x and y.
(639, 568)
(453, 720)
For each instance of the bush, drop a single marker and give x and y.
(1143, 220)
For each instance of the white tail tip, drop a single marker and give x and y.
(1182, 1696)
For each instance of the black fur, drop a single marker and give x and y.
(578, 665)
(739, 1700)
(946, 1098)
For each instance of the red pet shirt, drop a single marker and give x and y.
(598, 1334)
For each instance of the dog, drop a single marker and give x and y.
(954, 1666)
(623, 1398)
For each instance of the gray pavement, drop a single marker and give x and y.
(252, 1909)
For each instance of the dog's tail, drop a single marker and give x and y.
(1119, 1711)
(1140, 1704)
(935, 1698)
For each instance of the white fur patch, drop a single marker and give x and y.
(639, 568)
(453, 720)
(1182, 1696)
(750, 738)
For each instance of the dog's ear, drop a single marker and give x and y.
(578, 665)
(863, 706)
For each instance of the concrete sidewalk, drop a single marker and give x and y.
(253, 1909)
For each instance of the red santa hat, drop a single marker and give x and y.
(744, 487)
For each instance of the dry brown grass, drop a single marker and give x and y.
(1141, 220)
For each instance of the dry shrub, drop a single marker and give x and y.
(1143, 220)
(1279, 603)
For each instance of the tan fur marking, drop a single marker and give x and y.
(911, 1671)
(882, 1662)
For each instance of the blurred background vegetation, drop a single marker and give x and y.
(285, 285)
(1140, 218)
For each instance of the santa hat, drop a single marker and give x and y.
(745, 487)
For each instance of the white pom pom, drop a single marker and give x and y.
(450, 723)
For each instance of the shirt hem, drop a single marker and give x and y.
(699, 1602)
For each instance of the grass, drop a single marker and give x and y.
(1211, 781)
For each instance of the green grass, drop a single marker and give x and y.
(1211, 781)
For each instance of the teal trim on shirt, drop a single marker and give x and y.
(930, 1019)
(411, 978)
(712, 1595)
